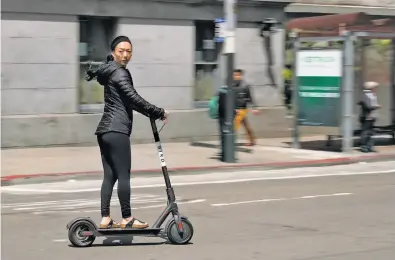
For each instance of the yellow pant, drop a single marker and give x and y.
(241, 114)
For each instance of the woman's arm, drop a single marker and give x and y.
(122, 79)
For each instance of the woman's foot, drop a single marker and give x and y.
(107, 222)
(132, 222)
(251, 143)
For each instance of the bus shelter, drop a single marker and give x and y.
(329, 71)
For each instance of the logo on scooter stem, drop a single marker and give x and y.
(161, 155)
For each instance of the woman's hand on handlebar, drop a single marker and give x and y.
(165, 116)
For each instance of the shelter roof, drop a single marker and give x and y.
(334, 25)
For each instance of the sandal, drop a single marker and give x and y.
(111, 224)
(132, 224)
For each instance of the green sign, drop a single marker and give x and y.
(318, 82)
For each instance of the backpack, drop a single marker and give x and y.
(213, 104)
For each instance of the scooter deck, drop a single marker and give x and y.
(123, 231)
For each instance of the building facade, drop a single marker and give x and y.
(46, 47)
(371, 7)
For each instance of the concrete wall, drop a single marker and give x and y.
(77, 129)
(162, 65)
(248, 11)
(40, 68)
(39, 55)
(163, 69)
(251, 56)
(167, 85)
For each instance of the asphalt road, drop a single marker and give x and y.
(348, 217)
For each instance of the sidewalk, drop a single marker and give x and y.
(22, 163)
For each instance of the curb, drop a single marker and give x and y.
(275, 165)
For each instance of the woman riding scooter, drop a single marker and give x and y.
(115, 127)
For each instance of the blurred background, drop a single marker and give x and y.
(176, 64)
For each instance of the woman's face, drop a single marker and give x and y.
(123, 53)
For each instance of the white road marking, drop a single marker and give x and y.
(97, 210)
(82, 202)
(280, 199)
(210, 178)
(135, 197)
(70, 205)
(265, 178)
(90, 211)
(179, 203)
(59, 240)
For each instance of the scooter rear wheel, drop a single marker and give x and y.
(173, 234)
(75, 234)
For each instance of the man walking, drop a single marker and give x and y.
(369, 106)
(243, 98)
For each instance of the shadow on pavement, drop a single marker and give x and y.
(217, 155)
(124, 241)
(381, 143)
(128, 241)
(217, 147)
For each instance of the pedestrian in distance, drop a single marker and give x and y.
(287, 92)
(369, 106)
(244, 98)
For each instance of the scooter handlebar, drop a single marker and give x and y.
(154, 130)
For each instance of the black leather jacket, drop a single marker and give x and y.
(243, 95)
(120, 99)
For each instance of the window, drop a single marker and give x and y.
(94, 45)
(207, 71)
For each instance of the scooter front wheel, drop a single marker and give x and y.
(174, 236)
(76, 236)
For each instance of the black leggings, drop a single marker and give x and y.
(116, 159)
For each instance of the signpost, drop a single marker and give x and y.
(318, 84)
(323, 83)
(220, 27)
(225, 32)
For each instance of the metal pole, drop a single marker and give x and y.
(295, 93)
(392, 87)
(229, 51)
(362, 66)
(347, 94)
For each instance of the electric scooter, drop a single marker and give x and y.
(83, 231)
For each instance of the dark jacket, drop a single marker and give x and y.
(120, 99)
(368, 106)
(243, 95)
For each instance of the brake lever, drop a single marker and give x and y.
(163, 125)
